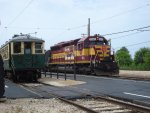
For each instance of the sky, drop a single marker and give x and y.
(63, 20)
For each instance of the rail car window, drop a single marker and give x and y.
(38, 47)
(17, 47)
(27, 48)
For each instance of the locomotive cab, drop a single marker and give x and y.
(95, 46)
(96, 50)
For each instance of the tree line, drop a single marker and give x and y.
(141, 60)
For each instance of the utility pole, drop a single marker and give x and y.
(88, 26)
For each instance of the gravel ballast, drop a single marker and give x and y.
(37, 106)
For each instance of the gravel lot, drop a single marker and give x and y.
(37, 106)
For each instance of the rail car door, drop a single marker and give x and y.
(27, 55)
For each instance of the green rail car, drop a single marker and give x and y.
(23, 57)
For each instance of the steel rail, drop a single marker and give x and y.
(78, 105)
(107, 98)
(123, 103)
(114, 100)
(126, 104)
(65, 100)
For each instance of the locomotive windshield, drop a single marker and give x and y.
(97, 43)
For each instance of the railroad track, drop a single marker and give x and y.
(90, 103)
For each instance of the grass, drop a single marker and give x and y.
(139, 67)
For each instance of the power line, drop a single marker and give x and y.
(126, 35)
(20, 13)
(122, 13)
(134, 44)
(107, 18)
(77, 27)
(136, 29)
(35, 28)
(139, 31)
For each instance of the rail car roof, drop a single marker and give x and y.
(25, 38)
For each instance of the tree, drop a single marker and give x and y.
(146, 58)
(123, 57)
(142, 56)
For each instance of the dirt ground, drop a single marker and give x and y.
(135, 74)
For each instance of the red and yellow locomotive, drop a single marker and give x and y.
(90, 54)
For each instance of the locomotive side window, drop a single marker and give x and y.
(38, 47)
(80, 46)
(86, 44)
(17, 47)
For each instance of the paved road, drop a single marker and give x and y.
(128, 89)
(13, 90)
(121, 88)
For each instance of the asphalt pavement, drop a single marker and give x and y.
(138, 91)
(13, 91)
(133, 90)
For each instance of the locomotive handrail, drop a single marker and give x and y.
(95, 58)
(91, 61)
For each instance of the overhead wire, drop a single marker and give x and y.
(20, 13)
(68, 29)
(77, 27)
(134, 44)
(126, 35)
(116, 15)
(122, 13)
(107, 18)
(120, 32)
(35, 28)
